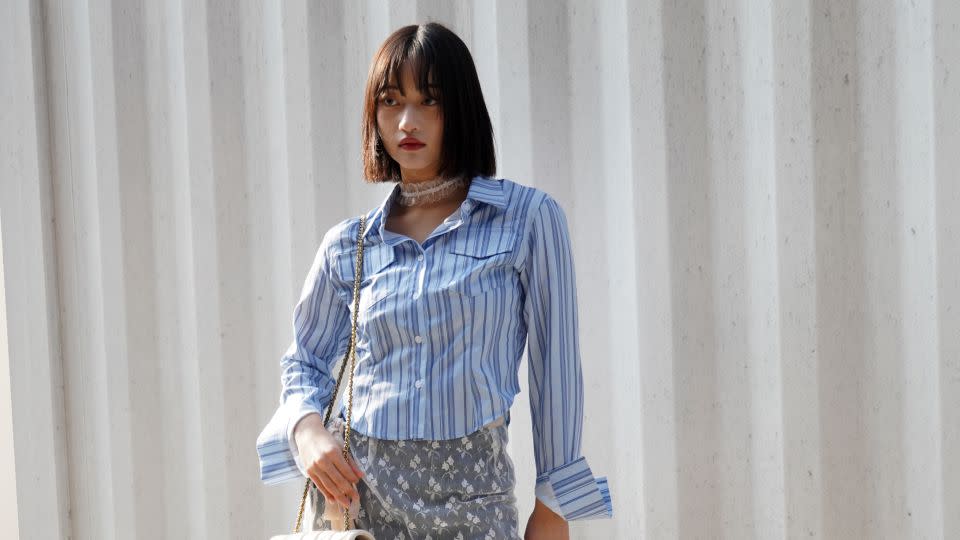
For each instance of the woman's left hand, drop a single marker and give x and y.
(545, 524)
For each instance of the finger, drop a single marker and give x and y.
(345, 470)
(337, 486)
(348, 490)
(330, 496)
(323, 489)
(340, 488)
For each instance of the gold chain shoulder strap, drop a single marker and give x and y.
(352, 357)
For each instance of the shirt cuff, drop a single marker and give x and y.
(545, 494)
(279, 458)
(273, 448)
(572, 492)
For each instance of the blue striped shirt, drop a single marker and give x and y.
(440, 334)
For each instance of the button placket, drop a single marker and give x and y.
(421, 272)
(421, 366)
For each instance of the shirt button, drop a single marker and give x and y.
(418, 339)
(418, 384)
(420, 257)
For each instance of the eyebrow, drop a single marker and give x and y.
(397, 88)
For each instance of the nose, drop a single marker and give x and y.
(409, 121)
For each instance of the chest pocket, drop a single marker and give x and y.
(376, 257)
(376, 260)
(373, 317)
(482, 259)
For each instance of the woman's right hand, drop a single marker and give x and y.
(322, 456)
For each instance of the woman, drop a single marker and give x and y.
(459, 270)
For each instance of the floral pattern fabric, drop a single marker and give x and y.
(457, 489)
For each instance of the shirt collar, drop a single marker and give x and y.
(483, 189)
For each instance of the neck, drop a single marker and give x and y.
(437, 191)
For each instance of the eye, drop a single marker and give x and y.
(386, 99)
(435, 102)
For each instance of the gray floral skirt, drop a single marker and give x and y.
(431, 490)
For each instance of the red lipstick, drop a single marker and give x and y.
(410, 143)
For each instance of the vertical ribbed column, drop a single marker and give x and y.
(839, 290)
(728, 355)
(513, 127)
(33, 471)
(222, 269)
(165, 483)
(761, 275)
(209, 105)
(916, 190)
(648, 365)
(945, 22)
(143, 204)
(93, 289)
(688, 169)
(190, 152)
(882, 402)
(793, 76)
(608, 338)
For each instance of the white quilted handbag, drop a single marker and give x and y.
(355, 534)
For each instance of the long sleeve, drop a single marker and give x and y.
(565, 482)
(321, 329)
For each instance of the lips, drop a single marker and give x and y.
(410, 143)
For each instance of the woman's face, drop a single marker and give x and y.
(411, 116)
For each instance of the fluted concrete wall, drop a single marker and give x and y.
(765, 205)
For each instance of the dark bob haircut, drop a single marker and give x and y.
(439, 56)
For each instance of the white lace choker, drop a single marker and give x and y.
(412, 193)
